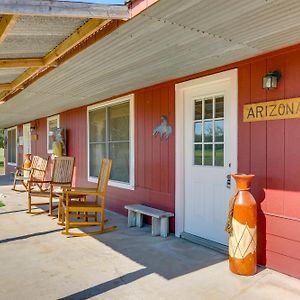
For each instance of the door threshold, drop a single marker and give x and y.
(205, 243)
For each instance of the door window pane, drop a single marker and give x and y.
(208, 131)
(208, 108)
(208, 154)
(219, 107)
(219, 155)
(198, 110)
(219, 131)
(198, 132)
(198, 154)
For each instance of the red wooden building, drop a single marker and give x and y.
(198, 63)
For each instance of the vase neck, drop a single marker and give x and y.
(243, 181)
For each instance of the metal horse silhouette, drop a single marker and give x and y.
(164, 130)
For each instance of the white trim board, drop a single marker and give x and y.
(180, 89)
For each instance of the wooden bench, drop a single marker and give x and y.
(160, 218)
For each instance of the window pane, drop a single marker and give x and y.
(198, 110)
(219, 155)
(219, 107)
(208, 131)
(208, 109)
(52, 126)
(118, 117)
(208, 155)
(97, 153)
(198, 155)
(97, 125)
(12, 157)
(198, 132)
(119, 154)
(219, 131)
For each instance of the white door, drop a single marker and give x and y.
(26, 139)
(209, 157)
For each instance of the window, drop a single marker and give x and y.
(52, 125)
(110, 128)
(209, 131)
(12, 146)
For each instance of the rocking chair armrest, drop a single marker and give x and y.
(39, 181)
(83, 193)
(82, 189)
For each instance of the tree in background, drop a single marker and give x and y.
(1, 138)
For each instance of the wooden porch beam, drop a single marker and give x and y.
(5, 86)
(23, 63)
(72, 41)
(75, 38)
(63, 9)
(6, 23)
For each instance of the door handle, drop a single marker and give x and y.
(228, 181)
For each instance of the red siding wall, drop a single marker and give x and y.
(271, 151)
(154, 159)
(268, 149)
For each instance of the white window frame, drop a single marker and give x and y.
(56, 117)
(130, 99)
(10, 129)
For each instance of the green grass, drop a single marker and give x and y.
(1, 161)
(1, 157)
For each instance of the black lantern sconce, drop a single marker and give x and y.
(33, 127)
(270, 80)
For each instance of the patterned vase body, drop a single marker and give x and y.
(242, 242)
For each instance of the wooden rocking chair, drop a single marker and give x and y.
(36, 171)
(62, 174)
(69, 208)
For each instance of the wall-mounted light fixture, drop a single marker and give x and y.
(33, 127)
(270, 80)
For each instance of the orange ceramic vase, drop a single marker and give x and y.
(27, 161)
(242, 241)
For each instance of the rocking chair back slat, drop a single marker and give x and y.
(104, 176)
(39, 167)
(63, 170)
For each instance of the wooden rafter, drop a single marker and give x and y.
(6, 23)
(23, 63)
(72, 41)
(5, 86)
(63, 9)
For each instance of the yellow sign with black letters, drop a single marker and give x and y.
(272, 110)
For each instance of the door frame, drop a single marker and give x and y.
(180, 89)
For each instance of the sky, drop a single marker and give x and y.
(99, 1)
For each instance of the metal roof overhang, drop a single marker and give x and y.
(168, 40)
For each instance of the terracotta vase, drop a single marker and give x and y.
(242, 241)
(27, 161)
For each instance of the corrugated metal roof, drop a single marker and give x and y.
(169, 40)
(8, 75)
(34, 36)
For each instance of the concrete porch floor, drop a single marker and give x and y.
(37, 262)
